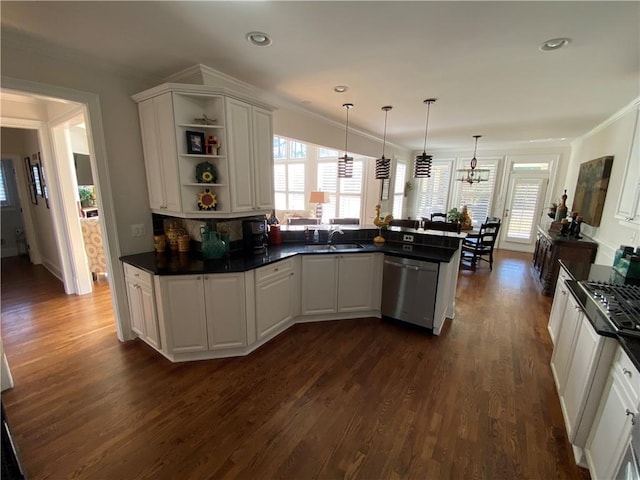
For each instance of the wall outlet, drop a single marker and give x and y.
(138, 230)
(407, 248)
(408, 238)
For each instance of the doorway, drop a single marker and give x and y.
(60, 192)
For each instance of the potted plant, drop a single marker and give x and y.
(86, 196)
(454, 215)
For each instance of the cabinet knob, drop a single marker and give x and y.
(627, 372)
(564, 292)
(291, 274)
(632, 415)
(276, 269)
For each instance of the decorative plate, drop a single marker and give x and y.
(207, 200)
(206, 173)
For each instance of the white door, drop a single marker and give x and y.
(523, 211)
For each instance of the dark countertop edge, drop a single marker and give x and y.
(603, 327)
(193, 264)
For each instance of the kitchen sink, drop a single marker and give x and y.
(332, 247)
(316, 248)
(345, 246)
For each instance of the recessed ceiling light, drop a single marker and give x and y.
(340, 88)
(554, 44)
(259, 39)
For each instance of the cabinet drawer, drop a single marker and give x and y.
(138, 275)
(274, 270)
(629, 373)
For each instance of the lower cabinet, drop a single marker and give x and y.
(580, 364)
(142, 305)
(559, 304)
(611, 431)
(203, 312)
(275, 297)
(337, 283)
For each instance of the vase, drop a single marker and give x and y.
(213, 246)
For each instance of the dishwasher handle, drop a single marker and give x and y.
(415, 268)
(400, 265)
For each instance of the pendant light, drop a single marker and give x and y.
(423, 161)
(345, 163)
(383, 165)
(473, 175)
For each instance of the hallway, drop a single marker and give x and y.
(345, 399)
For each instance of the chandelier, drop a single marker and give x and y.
(345, 163)
(383, 165)
(423, 161)
(473, 175)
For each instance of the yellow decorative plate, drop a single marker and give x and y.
(207, 200)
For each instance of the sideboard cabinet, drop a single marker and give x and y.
(552, 247)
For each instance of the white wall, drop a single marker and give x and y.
(612, 138)
(121, 130)
(23, 143)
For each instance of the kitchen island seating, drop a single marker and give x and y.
(438, 216)
(477, 247)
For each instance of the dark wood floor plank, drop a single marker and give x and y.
(357, 399)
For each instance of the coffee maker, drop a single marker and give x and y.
(254, 236)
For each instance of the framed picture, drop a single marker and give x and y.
(31, 185)
(384, 193)
(43, 186)
(195, 142)
(591, 189)
(37, 181)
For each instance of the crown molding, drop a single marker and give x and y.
(634, 104)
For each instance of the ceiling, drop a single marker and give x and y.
(479, 59)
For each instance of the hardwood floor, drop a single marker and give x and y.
(362, 398)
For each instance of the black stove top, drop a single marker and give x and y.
(620, 304)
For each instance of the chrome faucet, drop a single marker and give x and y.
(332, 231)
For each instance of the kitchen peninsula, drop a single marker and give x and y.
(188, 308)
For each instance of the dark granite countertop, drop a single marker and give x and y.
(601, 273)
(193, 263)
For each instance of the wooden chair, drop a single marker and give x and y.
(344, 221)
(438, 216)
(480, 247)
(405, 223)
(442, 226)
(493, 220)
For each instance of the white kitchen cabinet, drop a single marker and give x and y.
(142, 306)
(563, 349)
(182, 311)
(559, 304)
(203, 312)
(159, 147)
(250, 141)
(610, 434)
(226, 310)
(337, 283)
(628, 208)
(275, 297)
(243, 160)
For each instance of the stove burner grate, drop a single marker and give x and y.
(619, 303)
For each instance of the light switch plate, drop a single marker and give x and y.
(408, 238)
(137, 230)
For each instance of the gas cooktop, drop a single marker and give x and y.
(620, 304)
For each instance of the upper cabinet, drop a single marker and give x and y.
(629, 199)
(208, 153)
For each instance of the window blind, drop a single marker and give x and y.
(524, 207)
(398, 189)
(478, 197)
(434, 191)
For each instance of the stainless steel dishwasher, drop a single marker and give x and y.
(409, 290)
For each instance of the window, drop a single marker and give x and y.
(478, 197)
(289, 174)
(434, 191)
(524, 209)
(4, 191)
(398, 189)
(344, 193)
